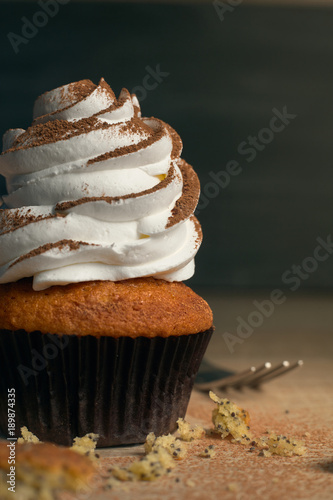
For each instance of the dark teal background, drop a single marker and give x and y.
(224, 79)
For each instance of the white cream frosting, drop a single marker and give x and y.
(95, 192)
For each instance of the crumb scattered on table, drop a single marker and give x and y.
(229, 419)
(208, 452)
(170, 443)
(189, 432)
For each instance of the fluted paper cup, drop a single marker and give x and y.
(120, 388)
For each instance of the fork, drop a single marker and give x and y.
(212, 377)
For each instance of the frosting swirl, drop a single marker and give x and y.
(96, 192)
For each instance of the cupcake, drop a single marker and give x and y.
(97, 234)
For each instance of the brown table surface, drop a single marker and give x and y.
(298, 404)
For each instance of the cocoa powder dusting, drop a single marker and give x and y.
(185, 205)
(198, 230)
(117, 104)
(135, 126)
(78, 91)
(126, 150)
(70, 244)
(177, 144)
(67, 205)
(102, 83)
(84, 88)
(14, 219)
(57, 130)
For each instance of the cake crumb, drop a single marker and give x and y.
(264, 453)
(149, 468)
(229, 419)
(281, 445)
(189, 432)
(170, 443)
(27, 437)
(208, 452)
(86, 445)
(43, 470)
(233, 487)
(190, 483)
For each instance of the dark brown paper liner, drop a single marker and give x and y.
(121, 389)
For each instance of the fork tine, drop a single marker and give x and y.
(259, 372)
(278, 370)
(273, 371)
(237, 377)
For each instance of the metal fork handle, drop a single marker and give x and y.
(225, 381)
(252, 377)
